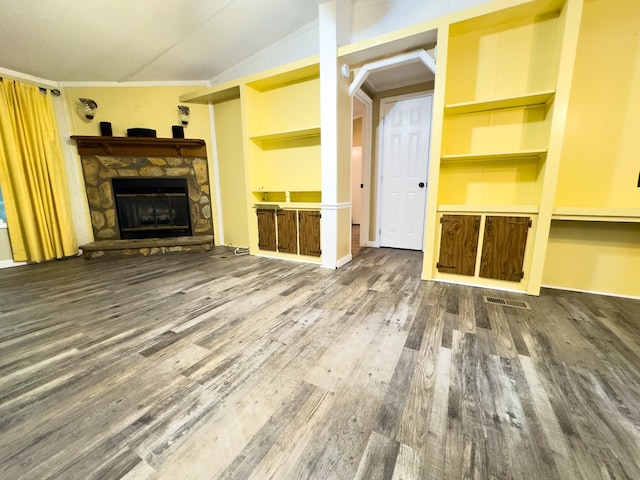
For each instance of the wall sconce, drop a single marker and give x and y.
(183, 115)
(88, 108)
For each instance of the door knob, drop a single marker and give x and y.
(421, 184)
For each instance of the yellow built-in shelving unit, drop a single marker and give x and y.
(283, 133)
(594, 240)
(503, 87)
(281, 124)
(280, 114)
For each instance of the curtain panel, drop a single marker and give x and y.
(33, 176)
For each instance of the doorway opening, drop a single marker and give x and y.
(407, 74)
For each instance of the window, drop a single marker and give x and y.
(3, 213)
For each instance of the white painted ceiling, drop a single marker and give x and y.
(141, 40)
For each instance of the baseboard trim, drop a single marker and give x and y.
(11, 263)
(593, 292)
(344, 261)
(469, 284)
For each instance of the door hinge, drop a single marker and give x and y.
(521, 275)
(530, 223)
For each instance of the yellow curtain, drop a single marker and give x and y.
(32, 175)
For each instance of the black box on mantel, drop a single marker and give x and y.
(141, 132)
(178, 131)
(105, 129)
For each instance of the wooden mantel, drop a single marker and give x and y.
(140, 146)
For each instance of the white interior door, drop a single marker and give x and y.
(406, 129)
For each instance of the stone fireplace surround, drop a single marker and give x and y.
(105, 158)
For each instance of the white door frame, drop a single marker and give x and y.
(365, 192)
(383, 102)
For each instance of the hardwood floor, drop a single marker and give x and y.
(355, 240)
(203, 366)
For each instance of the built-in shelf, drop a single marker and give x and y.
(216, 94)
(279, 77)
(288, 205)
(310, 136)
(527, 100)
(594, 214)
(483, 157)
(462, 208)
(288, 199)
(140, 146)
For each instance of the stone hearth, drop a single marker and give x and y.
(147, 247)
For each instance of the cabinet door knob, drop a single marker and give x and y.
(421, 184)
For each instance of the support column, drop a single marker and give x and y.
(335, 122)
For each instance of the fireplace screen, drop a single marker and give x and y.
(152, 207)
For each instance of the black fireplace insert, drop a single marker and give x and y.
(152, 207)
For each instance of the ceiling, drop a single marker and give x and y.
(183, 40)
(141, 40)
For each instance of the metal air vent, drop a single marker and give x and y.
(506, 303)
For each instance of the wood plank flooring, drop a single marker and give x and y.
(213, 366)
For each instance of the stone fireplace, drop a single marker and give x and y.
(146, 195)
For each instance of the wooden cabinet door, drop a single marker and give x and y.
(503, 247)
(266, 229)
(309, 232)
(287, 231)
(459, 244)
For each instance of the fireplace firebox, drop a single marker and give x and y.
(152, 207)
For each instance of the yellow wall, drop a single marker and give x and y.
(488, 62)
(290, 107)
(594, 256)
(142, 107)
(5, 246)
(344, 233)
(490, 183)
(231, 170)
(600, 162)
(137, 107)
(283, 164)
(357, 131)
(345, 142)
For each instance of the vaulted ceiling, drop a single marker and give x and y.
(141, 40)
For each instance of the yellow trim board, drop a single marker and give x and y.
(508, 209)
(262, 81)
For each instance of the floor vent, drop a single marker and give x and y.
(507, 303)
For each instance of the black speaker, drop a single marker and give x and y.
(178, 131)
(141, 132)
(105, 129)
